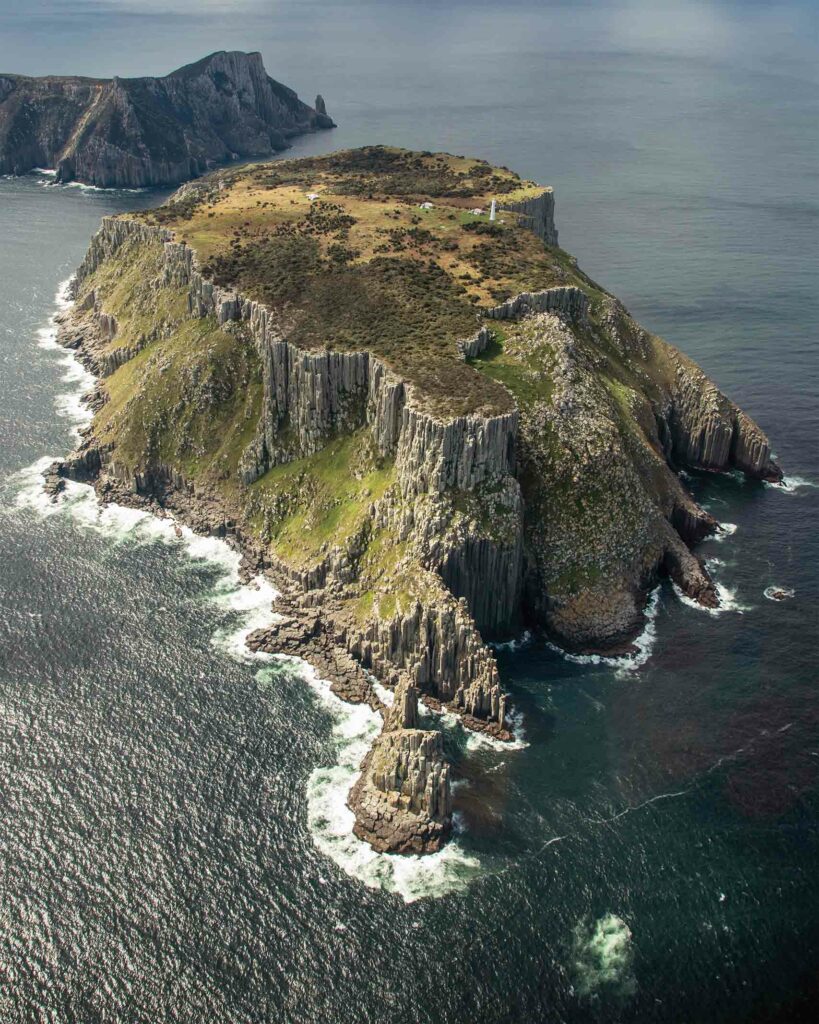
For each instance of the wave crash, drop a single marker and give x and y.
(603, 957)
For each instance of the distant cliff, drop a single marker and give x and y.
(133, 132)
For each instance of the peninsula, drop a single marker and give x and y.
(135, 132)
(427, 424)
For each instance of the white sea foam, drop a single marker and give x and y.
(793, 484)
(330, 820)
(728, 601)
(73, 408)
(643, 644)
(476, 740)
(725, 531)
(385, 695)
(355, 725)
(48, 180)
(254, 602)
(773, 591)
(603, 957)
(513, 645)
(70, 404)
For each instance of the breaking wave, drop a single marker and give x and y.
(724, 531)
(603, 957)
(793, 484)
(728, 601)
(48, 176)
(330, 820)
(69, 405)
(624, 663)
(479, 740)
(517, 644)
(355, 726)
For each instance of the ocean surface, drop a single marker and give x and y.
(174, 845)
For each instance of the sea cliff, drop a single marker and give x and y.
(136, 132)
(434, 458)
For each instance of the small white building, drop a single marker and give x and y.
(477, 212)
(426, 206)
(312, 196)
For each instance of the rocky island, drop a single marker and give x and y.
(135, 132)
(429, 426)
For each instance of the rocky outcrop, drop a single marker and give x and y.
(538, 214)
(705, 430)
(311, 396)
(570, 302)
(437, 645)
(131, 133)
(402, 799)
(606, 513)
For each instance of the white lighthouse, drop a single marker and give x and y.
(492, 211)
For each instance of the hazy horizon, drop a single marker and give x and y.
(304, 43)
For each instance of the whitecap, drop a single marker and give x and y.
(603, 956)
(81, 185)
(774, 593)
(385, 695)
(355, 726)
(254, 603)
(27, 487)
(70, 405)
(73, 408)
(476, 740)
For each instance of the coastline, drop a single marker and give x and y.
(255, 599)
(296, 629)
(429, 648)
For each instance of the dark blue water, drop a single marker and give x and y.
(172, 836)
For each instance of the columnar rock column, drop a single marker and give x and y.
(402, 801)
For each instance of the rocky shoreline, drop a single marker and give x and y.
(557, 503)
(402, 799)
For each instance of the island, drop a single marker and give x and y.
(379, 375)
(138, 132)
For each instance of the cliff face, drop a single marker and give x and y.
(408, 532)
(136, 132)
(538, 214)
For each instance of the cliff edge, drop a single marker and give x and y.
(135, 132)
(430, 426)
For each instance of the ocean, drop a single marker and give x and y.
(175, 845)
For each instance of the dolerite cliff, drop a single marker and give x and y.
(430, 429)
(135, 132)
